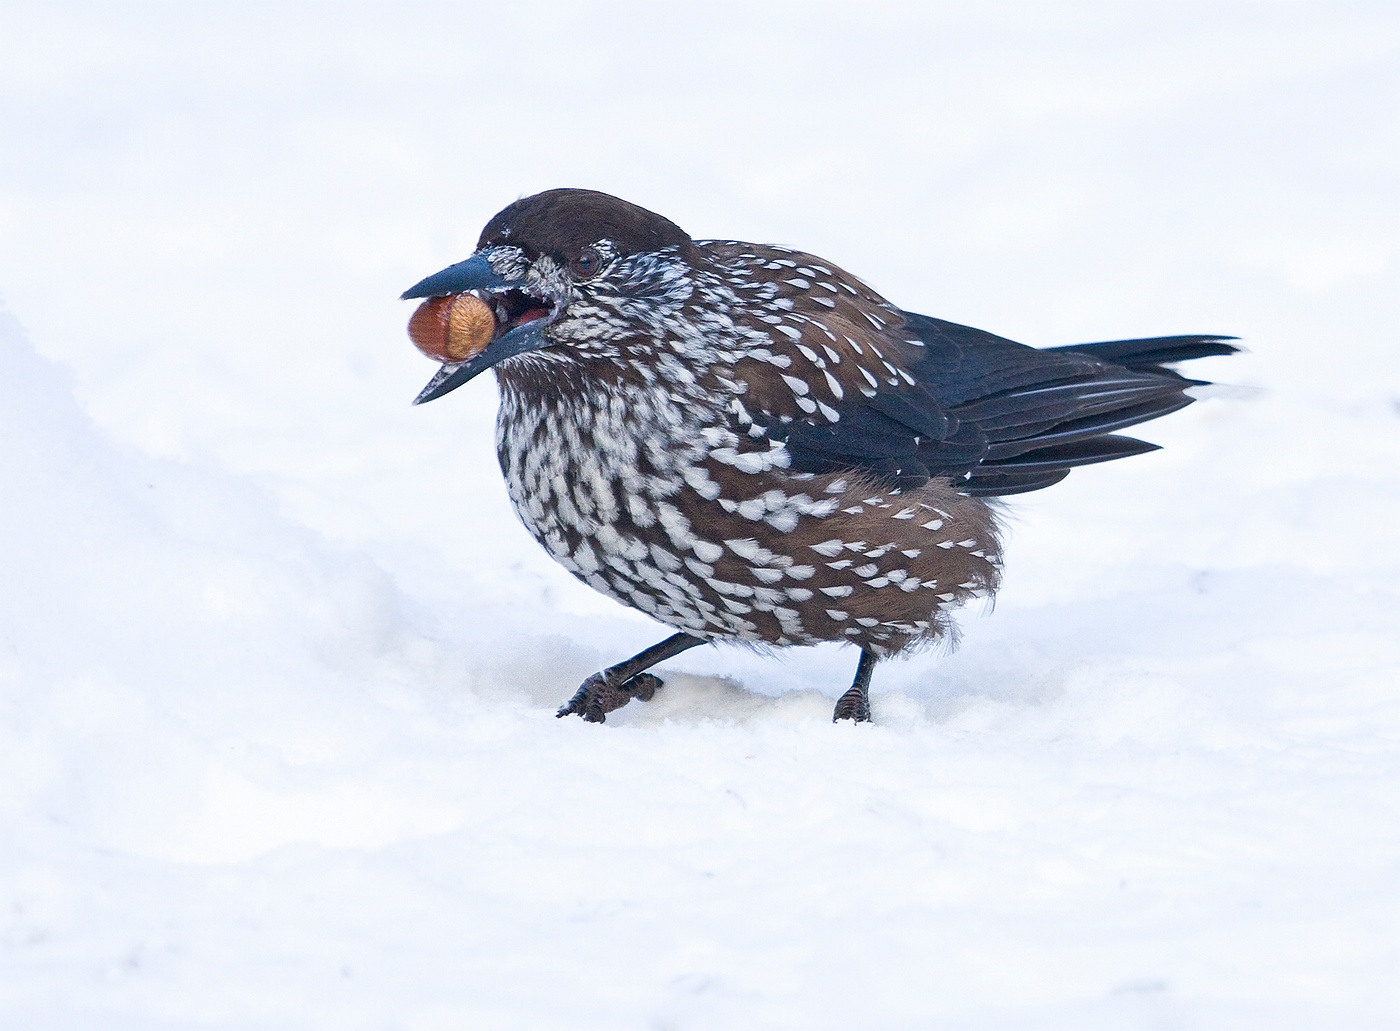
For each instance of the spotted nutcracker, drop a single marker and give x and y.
(748, 444)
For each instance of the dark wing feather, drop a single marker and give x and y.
(1150, 354)
(860, 384)
(995, 416)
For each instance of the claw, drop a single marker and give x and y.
(643, 686)
(597, 696)
(853, 705)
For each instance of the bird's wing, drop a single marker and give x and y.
(863, 385)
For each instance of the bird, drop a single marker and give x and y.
(749, 444)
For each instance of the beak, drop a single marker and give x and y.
(529, 337)
(474, 274)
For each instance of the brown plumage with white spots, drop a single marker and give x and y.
(748, 444)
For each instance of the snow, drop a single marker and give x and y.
(278, 667)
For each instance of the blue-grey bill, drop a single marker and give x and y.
(529, 337)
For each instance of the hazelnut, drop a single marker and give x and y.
(453, 328)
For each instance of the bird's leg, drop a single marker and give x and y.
(613, 688)
(855, 703)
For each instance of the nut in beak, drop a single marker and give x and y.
(452, 329)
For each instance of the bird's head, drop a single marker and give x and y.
(557, 271)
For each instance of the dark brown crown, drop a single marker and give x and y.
(561, 222)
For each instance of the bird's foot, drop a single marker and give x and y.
(853, 705)
(598, 696)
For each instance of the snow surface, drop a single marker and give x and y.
(278, 667)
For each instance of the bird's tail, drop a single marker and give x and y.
(1152, 353)
(1095, 406)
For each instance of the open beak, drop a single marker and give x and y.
(520, 319)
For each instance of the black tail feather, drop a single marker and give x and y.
(1088, 428)
(1068, 456)
(1150, 353)
(999, 485)
(996, 417)
(1036, 435)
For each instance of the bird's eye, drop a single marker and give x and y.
(586, 263)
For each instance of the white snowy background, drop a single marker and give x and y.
(278, 667)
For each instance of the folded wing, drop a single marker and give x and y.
(995, 416)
